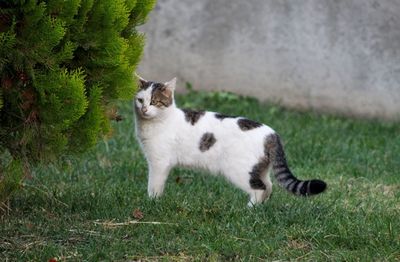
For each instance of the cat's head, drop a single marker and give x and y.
(153, 98)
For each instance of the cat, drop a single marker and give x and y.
(242, 150)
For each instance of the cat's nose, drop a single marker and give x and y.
(144, 109)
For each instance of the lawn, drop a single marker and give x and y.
(94, 207)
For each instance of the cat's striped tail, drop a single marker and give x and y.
(283, 174)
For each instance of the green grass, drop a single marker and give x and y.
(68, 211)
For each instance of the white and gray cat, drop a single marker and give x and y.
(242, 150)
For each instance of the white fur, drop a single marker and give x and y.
(168, 140)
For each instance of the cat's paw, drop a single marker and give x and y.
(250, 204)
(154, 194)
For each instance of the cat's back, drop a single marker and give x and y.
(226, 132)
(224, 125)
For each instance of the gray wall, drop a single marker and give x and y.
(340, 56)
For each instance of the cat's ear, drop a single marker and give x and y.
(142, 82)
(171, 84)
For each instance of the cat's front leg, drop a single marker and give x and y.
(158, 174)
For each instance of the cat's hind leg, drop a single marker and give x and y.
(260, 189)
(255, 182)
(158, 174)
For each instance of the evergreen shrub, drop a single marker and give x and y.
(62, 64)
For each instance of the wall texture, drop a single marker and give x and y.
(340, 56)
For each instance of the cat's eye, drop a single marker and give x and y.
(140, 100)
(152, 102)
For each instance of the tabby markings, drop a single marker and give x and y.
(161, 95)
(273, 153)
(207, 141)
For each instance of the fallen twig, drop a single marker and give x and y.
(131, 222)
(5, 207)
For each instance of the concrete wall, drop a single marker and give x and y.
(340, 56)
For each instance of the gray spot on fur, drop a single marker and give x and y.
(207, 141)
(247, 124)
(192, 116)
(263, 164)
(256, 173)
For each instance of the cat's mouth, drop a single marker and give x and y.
(145, 115)
(141, 114)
